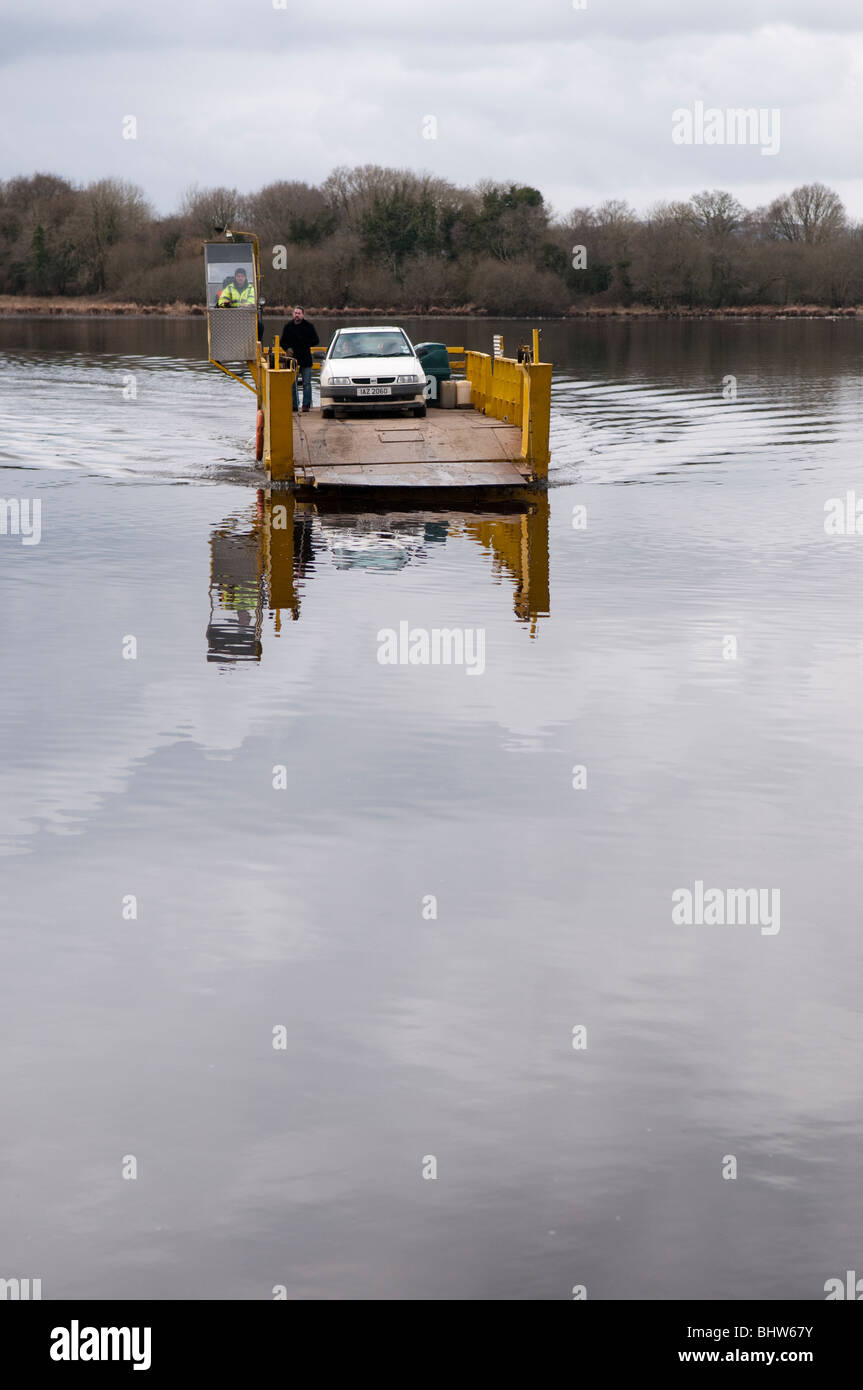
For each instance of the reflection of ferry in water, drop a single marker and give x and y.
(260, 560)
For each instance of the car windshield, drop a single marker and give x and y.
(371, 345)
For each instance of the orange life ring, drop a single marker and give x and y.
(259, 437)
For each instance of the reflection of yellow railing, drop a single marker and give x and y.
(515, 393)
(519, 545)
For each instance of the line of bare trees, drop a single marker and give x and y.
(388, 238)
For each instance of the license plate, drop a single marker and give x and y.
(374, 390)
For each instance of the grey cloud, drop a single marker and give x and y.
(96, 26)
(577, 102)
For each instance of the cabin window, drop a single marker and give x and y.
(223, 261)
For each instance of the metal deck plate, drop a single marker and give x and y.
(447, 448)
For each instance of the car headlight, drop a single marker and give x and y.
(409, 380)
(339, 381)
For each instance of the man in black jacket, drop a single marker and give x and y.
(301, 336)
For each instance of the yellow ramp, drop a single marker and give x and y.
(447, 448)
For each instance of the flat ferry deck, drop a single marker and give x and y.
(445, 449)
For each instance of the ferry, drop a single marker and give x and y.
(388, 419)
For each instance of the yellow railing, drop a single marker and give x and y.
(477, 370)
(515, 393)
(277, 404)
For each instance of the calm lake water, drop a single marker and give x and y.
(696, 647)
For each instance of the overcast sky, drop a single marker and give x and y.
(578, 102)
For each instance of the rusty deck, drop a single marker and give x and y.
(445, 449)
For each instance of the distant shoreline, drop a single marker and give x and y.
(21, 306)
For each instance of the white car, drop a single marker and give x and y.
(369, 368)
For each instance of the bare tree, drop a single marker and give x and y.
(715, 213)
(204, 209)
(810, 213)
(107, 212)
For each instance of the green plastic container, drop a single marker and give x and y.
(434, 360)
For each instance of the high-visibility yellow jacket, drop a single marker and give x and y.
(237, 299)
